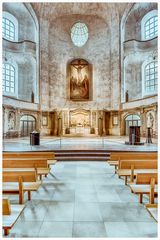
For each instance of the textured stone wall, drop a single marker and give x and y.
(133, 23)
(135, 51)
(23, 53)
(101, 51)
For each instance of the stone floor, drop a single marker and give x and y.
(55, 143)
(84, 199)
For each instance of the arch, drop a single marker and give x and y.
(9, 27)
(132, 119)
(10, 78)
(27, 124)
(149, 25)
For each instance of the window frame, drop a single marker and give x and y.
(14, 21)
(144, 92)
(14, 65)
(75, 35)
(144, 20)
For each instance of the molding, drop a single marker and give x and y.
(25, 46)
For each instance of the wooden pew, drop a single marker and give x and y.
(153, 210)
(20, 181)
(10, 214)
(146, 183)
(40, 165)
(115, 157)
(132, 167)
(50, 156)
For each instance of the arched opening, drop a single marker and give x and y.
(131, 120)
(27, 125)
(80, 122)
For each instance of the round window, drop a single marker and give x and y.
(79, 34)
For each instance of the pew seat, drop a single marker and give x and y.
(11, 213)
(19, 182)
(146, 183)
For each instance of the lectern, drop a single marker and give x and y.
(134, 134)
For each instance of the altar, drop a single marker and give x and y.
(80, 130)
(79, 122)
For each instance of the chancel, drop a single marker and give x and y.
(80, 109)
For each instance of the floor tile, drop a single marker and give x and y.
(130, 229)
(87, 212)
(124, 212)
(64, 195)
(56, 229)
(89, 229)
(85, 196)
(59, 211)
(25, 229)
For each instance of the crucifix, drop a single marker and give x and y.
(79, 66)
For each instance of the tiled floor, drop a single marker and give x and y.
(56, 143)
(84, 199)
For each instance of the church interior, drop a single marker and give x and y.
(80, 119)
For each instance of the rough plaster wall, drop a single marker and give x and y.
(61, 50)
(26, 25)
(135, 52)
(115, 61)
(23, 55)
(44, 65)
(133, 78)
(133, 24)
(26, 80)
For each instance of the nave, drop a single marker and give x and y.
(83, 199)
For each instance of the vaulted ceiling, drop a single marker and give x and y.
(52, 10)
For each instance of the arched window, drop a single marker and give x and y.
(9, 27)
(9, 79)
(132, 120)
(149, 25)
(150, 78)
(27, 124)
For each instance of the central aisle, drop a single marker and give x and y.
(84, 199)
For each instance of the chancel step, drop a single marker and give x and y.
(88, 155)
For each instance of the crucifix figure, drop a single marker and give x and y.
(79, 66)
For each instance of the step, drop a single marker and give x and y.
(79, 158)
(81, 154)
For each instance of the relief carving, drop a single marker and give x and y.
(11, 121)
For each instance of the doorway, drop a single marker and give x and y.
(131, 120)
(27, 125)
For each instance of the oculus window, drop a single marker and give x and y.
(79, 34)
(8, 79)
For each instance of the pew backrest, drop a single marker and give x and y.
(138, 164)
(145, 178)
(48, 155)
(25, 163)
(11, 175)
(133, 155)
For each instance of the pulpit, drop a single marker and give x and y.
(134, 136)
